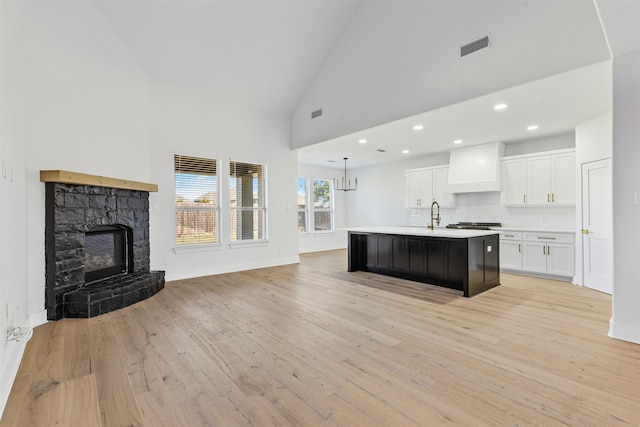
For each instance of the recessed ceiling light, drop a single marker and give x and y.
(532, 127)
(405, 151)
(418, 127)
(457, 141)
(499, 107)
(362, 141)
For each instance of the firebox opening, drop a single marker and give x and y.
(108, 252)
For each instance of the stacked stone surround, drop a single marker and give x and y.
(71, 211)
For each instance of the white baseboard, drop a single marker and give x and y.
(624, 332)
(231, 268)
(15, 351)
(37, 319)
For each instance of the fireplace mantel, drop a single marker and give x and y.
(77, 178)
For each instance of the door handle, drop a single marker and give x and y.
(585, 231)
(544, 250)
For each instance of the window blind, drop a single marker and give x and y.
(197, 201)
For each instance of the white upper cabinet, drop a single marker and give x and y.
(563, 179)
(423, 186)
(539, 180)
(440, 192)
(419, 188)
(514, 182)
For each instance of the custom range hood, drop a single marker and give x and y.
(474, 169)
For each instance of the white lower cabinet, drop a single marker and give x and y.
(511, 250)
(540, 253)
(560, 259)
(534, 257)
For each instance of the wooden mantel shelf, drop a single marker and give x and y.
(67, 177)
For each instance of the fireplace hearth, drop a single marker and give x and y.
(96, 246)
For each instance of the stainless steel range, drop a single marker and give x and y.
(475, 225)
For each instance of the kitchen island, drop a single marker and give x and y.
(465, 260)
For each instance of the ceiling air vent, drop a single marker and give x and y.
(316, 113)
(474, 46)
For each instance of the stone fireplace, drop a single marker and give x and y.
(96, 244)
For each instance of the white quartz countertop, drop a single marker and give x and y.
(423, 231)
(535, 230)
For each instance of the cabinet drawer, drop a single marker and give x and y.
(510, 235)
(548, 237)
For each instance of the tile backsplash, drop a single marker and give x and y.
(486, 207)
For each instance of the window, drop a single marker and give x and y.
(303, 206)
(322, 204)
(247, 201)
(197, 207)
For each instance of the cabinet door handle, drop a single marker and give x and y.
(508, 235)
(544, 250)
(546, 238)
(548, 197)
(519, 248)
(524, 198)
(548, 250)
(553, 197)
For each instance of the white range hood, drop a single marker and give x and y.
(476, 168)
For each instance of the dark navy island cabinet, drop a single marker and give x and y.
(468, 264)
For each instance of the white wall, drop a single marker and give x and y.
(199, 125)
(13, 247)
(323, 241)
(625, 322)
(380, 199)
(593, 139)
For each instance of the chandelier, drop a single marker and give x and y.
(344, 184)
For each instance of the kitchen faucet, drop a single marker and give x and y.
(437, 217)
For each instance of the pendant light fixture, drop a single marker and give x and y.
(344, 184)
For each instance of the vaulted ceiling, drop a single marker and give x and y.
(262, 54)
(367, 64)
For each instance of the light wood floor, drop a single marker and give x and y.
(311, 344)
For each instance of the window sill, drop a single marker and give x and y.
(205, 247)
(248, 244)
(324, 233)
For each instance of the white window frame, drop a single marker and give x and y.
(307, 202)
(214, 207)
(234, 209)
(331, 209)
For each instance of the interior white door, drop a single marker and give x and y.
(597, 225)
